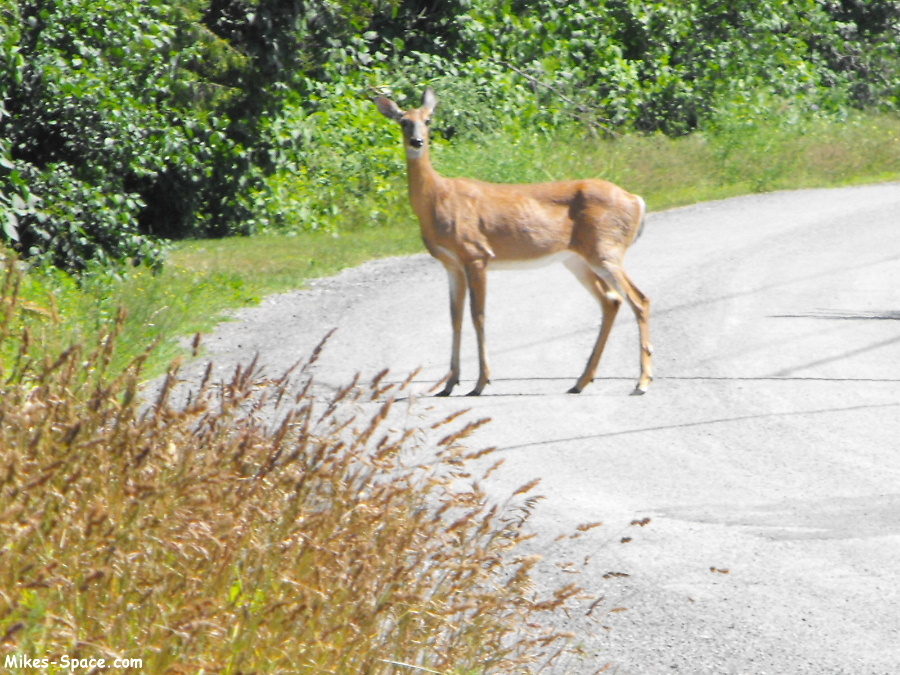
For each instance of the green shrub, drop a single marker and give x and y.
(124, 123)
(550, 67)
(129, 122)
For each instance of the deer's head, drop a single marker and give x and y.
(414, 123)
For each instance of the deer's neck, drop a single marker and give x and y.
(424, 182)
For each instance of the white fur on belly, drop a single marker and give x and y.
(532, 263)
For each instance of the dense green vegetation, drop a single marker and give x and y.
(203, 277)
(123, 124)
(200, 540)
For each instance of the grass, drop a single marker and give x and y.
(271, 263)
(260, 527)
(57, 310)
(670, 172)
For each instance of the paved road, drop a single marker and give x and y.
(766, 453)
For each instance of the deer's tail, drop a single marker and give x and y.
(642, 205)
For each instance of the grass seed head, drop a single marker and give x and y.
(230, 527)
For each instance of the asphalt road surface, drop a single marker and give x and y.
(766, 452)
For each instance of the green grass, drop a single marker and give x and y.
(271, 263)
(205, 278)
(159, 309)
(670, 172)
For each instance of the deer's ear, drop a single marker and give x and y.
(429, 100)
(388, 108)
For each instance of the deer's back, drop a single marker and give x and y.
(535, 220)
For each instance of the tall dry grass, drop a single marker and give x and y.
(250, 526)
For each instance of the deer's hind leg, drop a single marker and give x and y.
(615, 277)
(609, 300)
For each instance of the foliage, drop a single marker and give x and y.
(204, 277)
(656, 66)
(124, 123)
(601, 66)
(253, 526)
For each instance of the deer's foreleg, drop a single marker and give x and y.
(476, 275)
(640, 303)
(457, 279)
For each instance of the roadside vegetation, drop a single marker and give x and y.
(180, 158)
(203, 278)
(162, 162)
(259, 527)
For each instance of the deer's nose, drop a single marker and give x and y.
(416, 142)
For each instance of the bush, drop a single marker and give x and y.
(124, 123)
(593, 66)
(129, 122)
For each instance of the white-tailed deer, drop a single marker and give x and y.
(470, 225)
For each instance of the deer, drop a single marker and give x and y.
(470, 226)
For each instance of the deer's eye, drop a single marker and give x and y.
(428, 122)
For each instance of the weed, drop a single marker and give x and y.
(249, 526)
